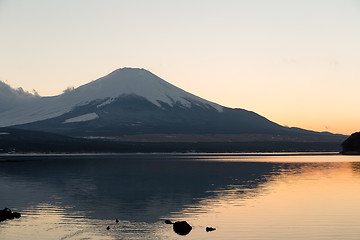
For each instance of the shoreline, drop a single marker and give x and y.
(172, 154)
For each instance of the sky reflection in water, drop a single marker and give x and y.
(256, 197)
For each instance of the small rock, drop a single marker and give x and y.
(6, 213)
(210, 229)
(181, 227)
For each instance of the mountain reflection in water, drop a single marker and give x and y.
(81, 196)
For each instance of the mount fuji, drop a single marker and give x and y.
(132, 101)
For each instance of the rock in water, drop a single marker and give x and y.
(6, 213)
(181, 227)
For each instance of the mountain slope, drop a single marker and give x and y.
(131, 114)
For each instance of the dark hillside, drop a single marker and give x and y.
(352, 144)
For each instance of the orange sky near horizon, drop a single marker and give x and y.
(293, 62)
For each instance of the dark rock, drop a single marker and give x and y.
(351, 145)
(181, 227)
(209, 229)
(116, 220)
(108, 228)
(6, 213)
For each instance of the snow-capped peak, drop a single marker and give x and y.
(140, 82)
(125, 81)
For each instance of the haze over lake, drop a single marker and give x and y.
(242, 196)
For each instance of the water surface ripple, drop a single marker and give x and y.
(272, 196)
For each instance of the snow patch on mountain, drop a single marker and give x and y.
(106, 102)
(82, 118)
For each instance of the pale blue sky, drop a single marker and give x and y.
(294, 62)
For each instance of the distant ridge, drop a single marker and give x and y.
(18, 141)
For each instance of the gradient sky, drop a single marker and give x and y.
(296, 62)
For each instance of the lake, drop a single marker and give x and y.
(248, 196)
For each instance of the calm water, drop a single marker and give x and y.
(243, 197)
